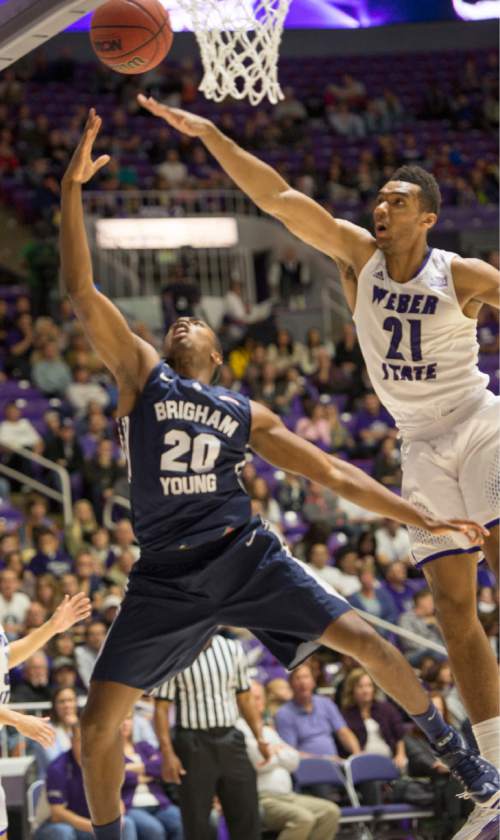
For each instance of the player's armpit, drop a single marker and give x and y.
(305, 218)
(128, 357)
(476, 280)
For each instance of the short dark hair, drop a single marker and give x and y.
(430, 194)
(422, 593)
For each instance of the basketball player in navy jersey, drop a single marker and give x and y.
(204, 561)
(415, 310)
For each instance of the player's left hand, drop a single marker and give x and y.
(70, 611)
(81, 167)
(475, 533)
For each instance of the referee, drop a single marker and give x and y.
(208, 756)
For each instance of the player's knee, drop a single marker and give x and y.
(455, 612)
(96, 734)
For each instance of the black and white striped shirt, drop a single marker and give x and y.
(205, 693)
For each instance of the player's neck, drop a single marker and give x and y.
(188, 371)
(404, 267)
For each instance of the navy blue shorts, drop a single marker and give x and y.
(174, 604)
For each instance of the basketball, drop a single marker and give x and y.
(131, 36)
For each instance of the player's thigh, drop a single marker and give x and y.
(107, 706)
(478, 443)
(430, 482)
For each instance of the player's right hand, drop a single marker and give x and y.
(81, 167)
(172, 769)
(38, 729)
(190, 124)
(474, 533)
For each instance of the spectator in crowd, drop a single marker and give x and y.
(65, 450)
(377, 724)
(64, 716)
(308, 723)
(315, 426)
(85, 570)
(180, 296)
(387, 466)
(124, 539)
(398, 586)
(19, 346)
(285, 353)
(47, 592)
(82, 391)
(172, 171)
(309, 351)
(101, 473)
(118, 573)
(320, 507)
(372, 425)
(208, 755)
(260, 491)
(13, 603)
(78, 535)
(51, 374)
(35, 519)
(318, 558)
(155, 817)
(442, 680)
(346, 571)
(86, 654)
(16, 430)
(278, 692)
(340, 438)
(372, 598)
(392, 542)
(64, 675)
(289, 279)
(422, 762)
(293, 815)
(290, 493)
(49, 556)
(34, 685)
(69, 814)
(422, 620)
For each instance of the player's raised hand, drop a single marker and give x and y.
(475, 533)
(81, 167)
(38, 729)
(70, 611)
(190, 124)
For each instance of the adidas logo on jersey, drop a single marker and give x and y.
(379, 275)
(439, 282)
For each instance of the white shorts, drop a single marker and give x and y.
(455, 475)
(3, 812)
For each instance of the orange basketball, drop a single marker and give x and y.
(131, 36)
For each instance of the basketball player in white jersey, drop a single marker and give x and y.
(70, 611)
(415, 309)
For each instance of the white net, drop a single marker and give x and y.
(239, 44)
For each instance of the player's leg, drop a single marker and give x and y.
(452, 580)
(491, 549)
(108, 705)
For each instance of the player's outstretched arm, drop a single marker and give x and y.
(276, 444)
(477, 281)
(36, 728)
(129, 358)
(69, 612)
(301, 215)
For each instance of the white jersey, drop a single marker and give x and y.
(420, 349)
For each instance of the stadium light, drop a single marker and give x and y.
(162, 234)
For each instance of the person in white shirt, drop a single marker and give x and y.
(83, 391)
(18, 431)
(393, 543)
(343, 581)
(173, 170)
(13, 604)
(293, 815)
(86, 655)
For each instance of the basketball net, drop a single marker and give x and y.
(239, 43)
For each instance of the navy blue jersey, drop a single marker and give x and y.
(185, 446)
